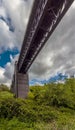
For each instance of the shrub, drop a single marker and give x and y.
(47, 103)
(4, 88)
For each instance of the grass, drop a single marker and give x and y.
(15, 124)
(49, 107)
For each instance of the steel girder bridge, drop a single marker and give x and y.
(44, 18)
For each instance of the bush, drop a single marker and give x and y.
(4, 88)
(46, 104)
(61, 94)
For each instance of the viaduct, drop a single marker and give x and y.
(44, 18)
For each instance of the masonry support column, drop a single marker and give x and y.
(21, 86)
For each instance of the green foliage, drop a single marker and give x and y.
(4, 88)
(37, 92)
(49, 107)
(61, 94)
(13, 124)
(5, 95)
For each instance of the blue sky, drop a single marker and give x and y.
(5, 56)
(58, 54)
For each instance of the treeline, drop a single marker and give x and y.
(51, 107)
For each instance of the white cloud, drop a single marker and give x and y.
(2, 11)
(3, 79)
(73, 5)
(1, 73)
(18, 12)
(7, 72)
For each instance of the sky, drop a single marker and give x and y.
(58, 54)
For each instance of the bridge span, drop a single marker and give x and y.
(44, 18)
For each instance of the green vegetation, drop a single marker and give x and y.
(48, 107)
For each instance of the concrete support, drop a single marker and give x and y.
(20, 84)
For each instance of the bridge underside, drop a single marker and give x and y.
(44, 18)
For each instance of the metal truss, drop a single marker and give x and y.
(45, 16)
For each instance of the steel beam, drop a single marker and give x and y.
(44, 18)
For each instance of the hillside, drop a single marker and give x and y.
(48, 107)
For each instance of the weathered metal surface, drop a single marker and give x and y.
(45, 16)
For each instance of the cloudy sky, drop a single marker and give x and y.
(58, 55)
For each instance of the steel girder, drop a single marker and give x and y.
(45, 16)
